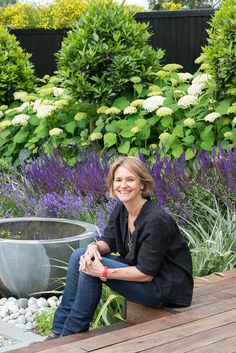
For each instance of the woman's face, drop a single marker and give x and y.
(127, 186)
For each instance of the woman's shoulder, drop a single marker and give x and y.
(155, 214)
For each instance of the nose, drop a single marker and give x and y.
(123, 184)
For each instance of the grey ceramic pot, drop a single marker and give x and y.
(33, 262)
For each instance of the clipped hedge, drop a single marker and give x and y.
(16, 71)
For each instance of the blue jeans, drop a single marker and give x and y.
(82, 294)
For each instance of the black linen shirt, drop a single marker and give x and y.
(158, 250)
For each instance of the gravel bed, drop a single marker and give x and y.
(6, 341)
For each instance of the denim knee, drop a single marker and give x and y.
(75, 256)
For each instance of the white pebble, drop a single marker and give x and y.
(34, 308)
(42, 302)
(6, 318)
(29, 326)
(31, 301)
(52, 303)
(21, 320)
(13, 308)
(3, 311)
(21, 311)
(14, 315)
(29, 319)
(12, 322)
(20, 326)
(12, 299)
(3, 301)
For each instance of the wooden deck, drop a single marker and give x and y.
(208, 326)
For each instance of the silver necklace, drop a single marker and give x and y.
(130, 240)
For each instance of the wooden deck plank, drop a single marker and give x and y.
(213, 278)
(200, 340)
(202, 328)
(157, 338)
(227, 345)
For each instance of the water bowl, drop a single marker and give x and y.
(34, 252)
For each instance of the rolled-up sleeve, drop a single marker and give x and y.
(154, 245)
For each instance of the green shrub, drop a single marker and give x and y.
(16, 71)
(104, 51)
(220, 54)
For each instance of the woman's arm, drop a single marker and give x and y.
(130, 273)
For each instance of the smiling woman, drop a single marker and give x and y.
(152, 265)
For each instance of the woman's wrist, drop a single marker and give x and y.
(94, 243)
(104, 274)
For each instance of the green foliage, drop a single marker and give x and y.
(185, 4)
(44, 321)
(109, 310)
(16, 71)
(211, 236)
(106, 48)
(176, 112)
(219, 55)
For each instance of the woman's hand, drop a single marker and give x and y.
(89, 257)
(95, 268)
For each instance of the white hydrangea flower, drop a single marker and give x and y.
(187, 100)
(152, 103)
(1, 114)
(19, 95)
(21, 119)
(212, 117)
(195, 89)
(130, 110)
(43, 111)
(24, 106)
(163, 111)
(201, 79)
(56, 131)
(57, 91)
(184, 76)
(36, 104)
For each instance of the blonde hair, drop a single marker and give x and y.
(135, 166)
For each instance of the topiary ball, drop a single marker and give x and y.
(105, 49)
(16, 71)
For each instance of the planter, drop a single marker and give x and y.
(32, 249)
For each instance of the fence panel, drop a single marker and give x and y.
(180, 33)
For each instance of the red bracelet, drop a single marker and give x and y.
(104, 274)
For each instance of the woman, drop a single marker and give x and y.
(153, 265)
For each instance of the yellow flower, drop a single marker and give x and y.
(153, 146)
(163, 111)
(228, 134)
(164, 136)
(102, 109)
(95, 136)
(189, 122)
(232, 109)
(56, 131)
(172, 67)
(130, 110)
(135, 79)
(112, 110)
(3, 107)
(4, 124)
(80, 116)
(135, 130)
(137, 102)
(154, 88)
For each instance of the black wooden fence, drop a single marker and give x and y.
(180, 33)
